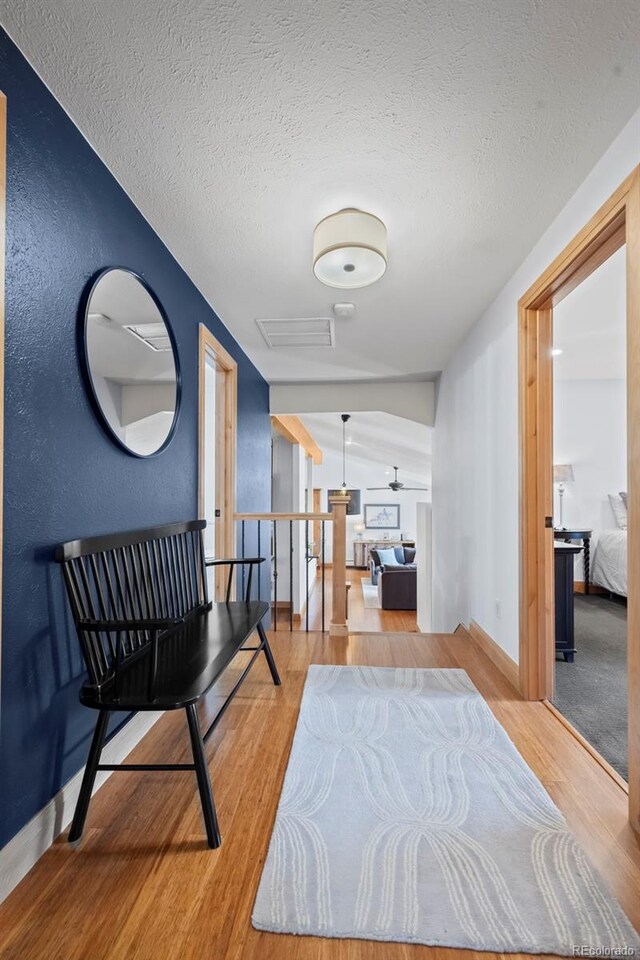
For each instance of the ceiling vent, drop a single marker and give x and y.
(155, 335)
(301, 332)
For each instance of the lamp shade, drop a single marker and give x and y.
(350, 249)
(359, 527)
(562, 473)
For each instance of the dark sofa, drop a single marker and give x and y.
(396, 582)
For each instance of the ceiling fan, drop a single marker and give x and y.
(396, 485)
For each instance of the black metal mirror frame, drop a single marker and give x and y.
(83, 352)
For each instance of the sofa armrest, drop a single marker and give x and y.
(397, 588)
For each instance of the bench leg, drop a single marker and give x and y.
(89, 777)
(268, 654)
(204, 783)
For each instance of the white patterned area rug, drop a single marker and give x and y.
(407, 814)
(370, 597)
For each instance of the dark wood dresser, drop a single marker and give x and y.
(564, 554)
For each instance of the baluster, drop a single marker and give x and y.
(248, 593)
(258, 554)
(243, 555)
(306, 572)
(290, 576)
(275, 573)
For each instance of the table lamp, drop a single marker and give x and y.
(562, 473)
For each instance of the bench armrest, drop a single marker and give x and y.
(234, 562)
(215, 562)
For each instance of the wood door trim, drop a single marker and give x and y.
(209, 346)
(615, 223)
(606, 766)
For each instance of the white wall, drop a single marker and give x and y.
(590, 423)
(360, 475)
(289, 466)
(409, 399)
(475, 460)
(424, 561)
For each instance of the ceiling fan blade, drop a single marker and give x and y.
(423, 489)
(377, 488)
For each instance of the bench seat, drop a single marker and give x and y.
(192, 657)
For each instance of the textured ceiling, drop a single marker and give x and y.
(236, 126)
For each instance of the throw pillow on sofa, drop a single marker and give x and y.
(388, 557)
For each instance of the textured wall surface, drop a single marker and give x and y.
(237, 125)
(67, 218)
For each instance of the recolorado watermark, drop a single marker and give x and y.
(582, 950)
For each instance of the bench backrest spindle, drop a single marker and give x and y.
(147, 575)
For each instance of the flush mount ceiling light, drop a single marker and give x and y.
(349, 249)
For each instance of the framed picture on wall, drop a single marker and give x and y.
(382, 516)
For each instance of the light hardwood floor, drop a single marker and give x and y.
(361, 619)
(142, 883)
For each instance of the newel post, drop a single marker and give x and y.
(339, 626)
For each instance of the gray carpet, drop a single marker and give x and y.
(592, 691)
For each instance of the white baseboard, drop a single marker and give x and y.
(26, 848)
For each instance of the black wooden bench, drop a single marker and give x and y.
(151, 640)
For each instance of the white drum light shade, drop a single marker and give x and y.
(350, 249)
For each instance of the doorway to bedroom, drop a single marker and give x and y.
(590, 510)
(614, 227)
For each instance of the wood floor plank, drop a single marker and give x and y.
(143, 885)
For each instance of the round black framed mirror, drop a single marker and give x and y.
(130, 362)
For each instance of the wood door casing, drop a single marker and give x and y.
(617, 222)
(226, 443)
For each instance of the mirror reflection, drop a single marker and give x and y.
(131, 363)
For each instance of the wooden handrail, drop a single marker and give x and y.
(339, 626)
(283, 516)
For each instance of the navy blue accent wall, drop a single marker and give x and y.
(64, 478)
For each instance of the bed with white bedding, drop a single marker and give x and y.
(609, 566)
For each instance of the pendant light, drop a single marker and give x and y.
(352, 497)
(350, 249)
(345, 419)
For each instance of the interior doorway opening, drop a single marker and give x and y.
(590, 515)
(217, 426)
(615, 224)
(384, 463)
